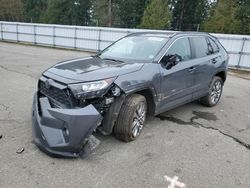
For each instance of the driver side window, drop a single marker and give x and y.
(181, 49)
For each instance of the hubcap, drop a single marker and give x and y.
(139, 119)
(216, 92)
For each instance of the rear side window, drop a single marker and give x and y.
(200, 46)
(214, 46)
(180, 47)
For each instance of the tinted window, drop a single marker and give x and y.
(214, 46)
(181, 47)
(200, 46)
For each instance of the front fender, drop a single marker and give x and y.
(148, 78)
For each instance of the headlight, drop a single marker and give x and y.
(91, 89)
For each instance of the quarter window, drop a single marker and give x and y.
(214, 46)
(210, 48)
(180, 48)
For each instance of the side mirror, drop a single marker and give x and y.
(170, 60)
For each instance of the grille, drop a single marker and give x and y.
(56, 95)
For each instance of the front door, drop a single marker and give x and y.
(178, 78)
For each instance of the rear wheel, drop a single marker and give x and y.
(131, 118)
(215, 92)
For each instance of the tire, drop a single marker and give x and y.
(215, 92)
(131, 118)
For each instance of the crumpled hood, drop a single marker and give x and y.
(90, 69)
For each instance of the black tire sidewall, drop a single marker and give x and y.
(124, 125)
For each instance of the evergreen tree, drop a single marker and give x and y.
(11, 10)
(34, 10)
(223, 18)
(130, 12)
(243, 16)
(101, 13)
(67, 12)
(188, 14)
(157, 15)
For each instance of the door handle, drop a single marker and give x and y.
(191, 69)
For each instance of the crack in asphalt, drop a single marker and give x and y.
(7, 69)
(228, 135)
(201, 115)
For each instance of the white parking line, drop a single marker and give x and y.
(174, 183)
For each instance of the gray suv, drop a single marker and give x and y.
(113, 91)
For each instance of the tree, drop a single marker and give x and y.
(157, 15)
(34, 10)
(243, 16)
(67, 12)
(125, 13)
(101, 14)
(188, 14)
(223, 18)
(11, 10)
(130, 12)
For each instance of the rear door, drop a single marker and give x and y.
(204, 60)
(177, 82)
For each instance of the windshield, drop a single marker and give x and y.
(135, 47)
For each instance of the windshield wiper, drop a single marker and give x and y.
(110, 59)
(96, 55)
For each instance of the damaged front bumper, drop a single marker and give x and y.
(63, 132)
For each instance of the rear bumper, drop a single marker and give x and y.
(62, 132)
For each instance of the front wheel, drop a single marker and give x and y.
(131, 118)
(215, 92)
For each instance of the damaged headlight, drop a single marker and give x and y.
(91, 89)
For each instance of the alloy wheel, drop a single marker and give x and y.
(139, 119)
(216, 92)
